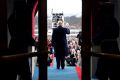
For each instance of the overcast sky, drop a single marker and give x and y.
(69, 7)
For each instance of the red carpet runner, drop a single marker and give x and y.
(78, 70)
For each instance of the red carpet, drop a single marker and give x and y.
(78, 70)
(51, 65)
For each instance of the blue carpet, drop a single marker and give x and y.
(36, 73)
(69, 73)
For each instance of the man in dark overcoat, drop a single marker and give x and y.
(59, 42)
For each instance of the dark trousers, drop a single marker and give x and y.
(60, 59)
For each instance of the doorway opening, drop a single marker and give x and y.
(71, 18)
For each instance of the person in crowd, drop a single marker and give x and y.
(50, 49)
(71, 59)
(49, 60)
(78, 57)
(59, 42)
(73, 47)
(79, 36)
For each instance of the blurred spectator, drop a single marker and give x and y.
(73, 57)
(79, 36)
(49, 60)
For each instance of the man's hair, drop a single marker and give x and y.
(60, 22)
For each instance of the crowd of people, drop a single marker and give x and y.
(67, 50)
(73, 56)
(50, 49)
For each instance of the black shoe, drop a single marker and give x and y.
(62, 67)
(58, 68)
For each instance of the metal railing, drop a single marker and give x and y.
(20, 56)
(32, 54)
(107, 55)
